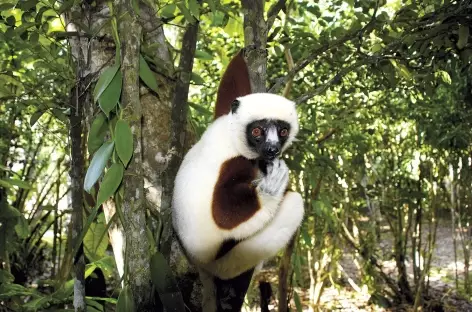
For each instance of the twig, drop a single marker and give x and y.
(335, 80)
(316, 53)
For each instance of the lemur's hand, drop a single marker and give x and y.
(275, 181)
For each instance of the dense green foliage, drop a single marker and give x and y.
(384, 90)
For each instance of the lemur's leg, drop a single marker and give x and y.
(264, 244)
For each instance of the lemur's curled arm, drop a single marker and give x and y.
(243, 201)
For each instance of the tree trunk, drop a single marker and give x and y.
(77, 177)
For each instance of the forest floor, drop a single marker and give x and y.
(442, 289)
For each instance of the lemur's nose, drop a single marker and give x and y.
(271, 151)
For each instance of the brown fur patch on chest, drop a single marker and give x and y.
(234, 197)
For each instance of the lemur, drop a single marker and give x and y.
(233, 185)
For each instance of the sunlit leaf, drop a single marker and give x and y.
(194, 8)
(97, 165)
(196, 79)
(185, 11)
(19, 183)
(203, 55)
(168, 10)
(95, 242)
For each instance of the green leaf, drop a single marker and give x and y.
(463, 36)
(444, 75)
(9, 212)
(306, 236)
(107, 265)
(196, 79)
(125, 301)
(110, 182)
(105, 79)
(34, 37)
(110, 96)
(194, 8)
(124, 141)
(95, 242)
(6, 277)
(183, 9)
(165, 283)
(19, 183)
(66, 5)
(298, 302)
(27, 5)
(5, 184)
(203, 55)
(6, 6)
(21, 228)
(146, 74)
(97, 133)
(212, 5)
(168, 10)
(97, 165)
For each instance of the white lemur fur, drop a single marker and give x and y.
(280, 213)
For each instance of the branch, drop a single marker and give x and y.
(333, 81)
(273, 12)
(316, 53)
(326, 136)
(179, 101)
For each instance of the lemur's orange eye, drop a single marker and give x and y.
(256, 132)
(283, 132)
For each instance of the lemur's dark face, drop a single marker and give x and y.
(267, 137)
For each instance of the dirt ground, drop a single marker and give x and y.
(347, 298)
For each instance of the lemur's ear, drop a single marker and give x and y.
(235, 83)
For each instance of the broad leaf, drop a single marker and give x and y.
(105, 78)
(21, 228)
(185, 11)
(194, 8)
(196, 79)
(146, 74)
(110, 96)
(124, 141)
(125, 301)
(200, 54)
(165, 283)
(298, 302)
(97, 165)
(95, 243)
(97, 133)
(110, 182)
(168, 10)
(19, 183)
